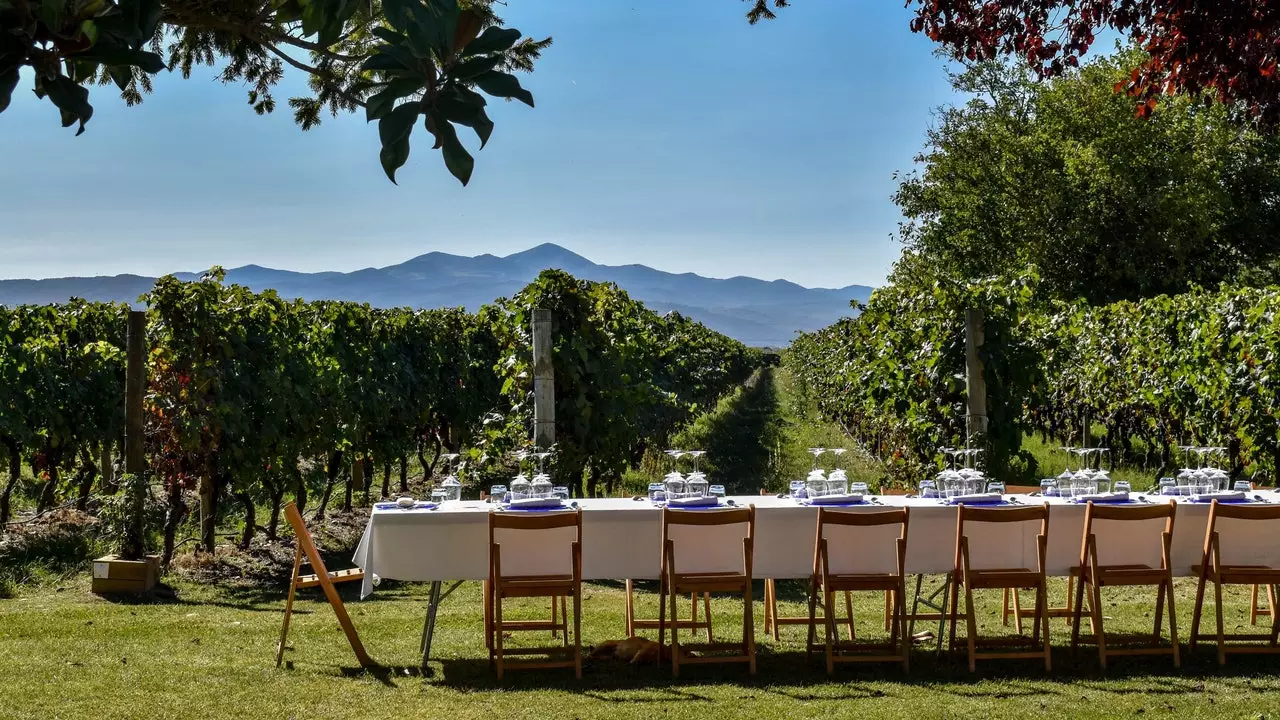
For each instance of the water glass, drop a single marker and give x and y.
(1121, 486)
(657, 491)
(858, 488)
(561, 492)
(497, 493)
(797, 488)
(1242, 486)
(928, 489)
(439, 495)
(1049, 487)
(1168, 486)
(716, 491)
(995, 486)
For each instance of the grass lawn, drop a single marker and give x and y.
(209, 654)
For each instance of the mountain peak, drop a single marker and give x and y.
(548, 253)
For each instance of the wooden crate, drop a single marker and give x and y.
(113, 575)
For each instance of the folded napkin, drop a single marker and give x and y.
(977, 499)
(536, 503)
(1104, 497)
(842, 499)
(694, 502)
(1220, 496)
(419, 505)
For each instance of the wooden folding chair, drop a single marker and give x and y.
(707, 563)
(849, 556)
(634, 623)
(1127, 561)
(1250, 558)
(322, 578)
(547, 571)
(979, 567)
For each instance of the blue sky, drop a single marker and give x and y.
(667, 132)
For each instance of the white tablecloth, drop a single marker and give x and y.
(621, 539)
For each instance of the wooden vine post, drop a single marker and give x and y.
(975, 381)
(134, 572)
(544, 387)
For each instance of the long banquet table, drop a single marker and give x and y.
(621, 539)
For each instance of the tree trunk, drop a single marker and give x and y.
(404, 473)
(331, 476)
(299, 491)
(250, 519)
(367, 478)
(273, 521)
(430, 470)
(209, 492)
(15, 472)
(85, 477)
(48, 495)
(386, 480)
(107, 470)
(593, 481)
(175, 511)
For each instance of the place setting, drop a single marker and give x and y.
(686, 491)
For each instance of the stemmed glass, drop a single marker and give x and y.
(451, 486)
(674, 484)
(696, 483)
(816, 483)
(520, 487)
(541, 486)
(837, 479)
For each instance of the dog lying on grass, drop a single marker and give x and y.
(633, 650)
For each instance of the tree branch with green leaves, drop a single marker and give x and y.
(399, 60)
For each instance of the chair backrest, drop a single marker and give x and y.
(1246, 534)
(1127, 534)
(863, 542)
(535, 543)
(708, 541)
(303, 537)
(998, 537)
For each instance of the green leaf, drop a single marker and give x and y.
(389, 36)
(8, 81)
(463, 111)
(494, 39)
(145, 61)
(51, 15)
(456, 157)
(468, 69)
(394, 157)
(505, 85)
(72, 100)
(121, 75)
(378, 105)
(398, 123)
(90, 30)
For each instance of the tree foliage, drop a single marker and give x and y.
(401, 61)
(1062, 176)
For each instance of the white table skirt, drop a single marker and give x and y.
(621, 539)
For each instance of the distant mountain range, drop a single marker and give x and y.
(756, 312)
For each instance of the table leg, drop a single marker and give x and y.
(429, 625)
(930, 602)
(434, 598)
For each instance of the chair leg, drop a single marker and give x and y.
(954, 595)
(288, 606)
(889, 605)
(577, 632)
(1198, 611)
(497, 633)
(770, 609)
(629, 613)
(971, 624)
(1253, 612)
(675, 637)
(813, 617)
(486, 594)
(900, 617)
(1275, 616)
(1100, 633)
(693, 614)
(662, 617)
(1222, 645)
(1159, 621)
(706, 606)
(1042, 617)
(1071, 581)
(564, 619)
(1076, 617)
(1004, 608)
(1017, 612)
(749, 628)
(555, 621)
(830, 618)
(848, 608)
(1173, 623)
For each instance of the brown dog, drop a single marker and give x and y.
(634, 650)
